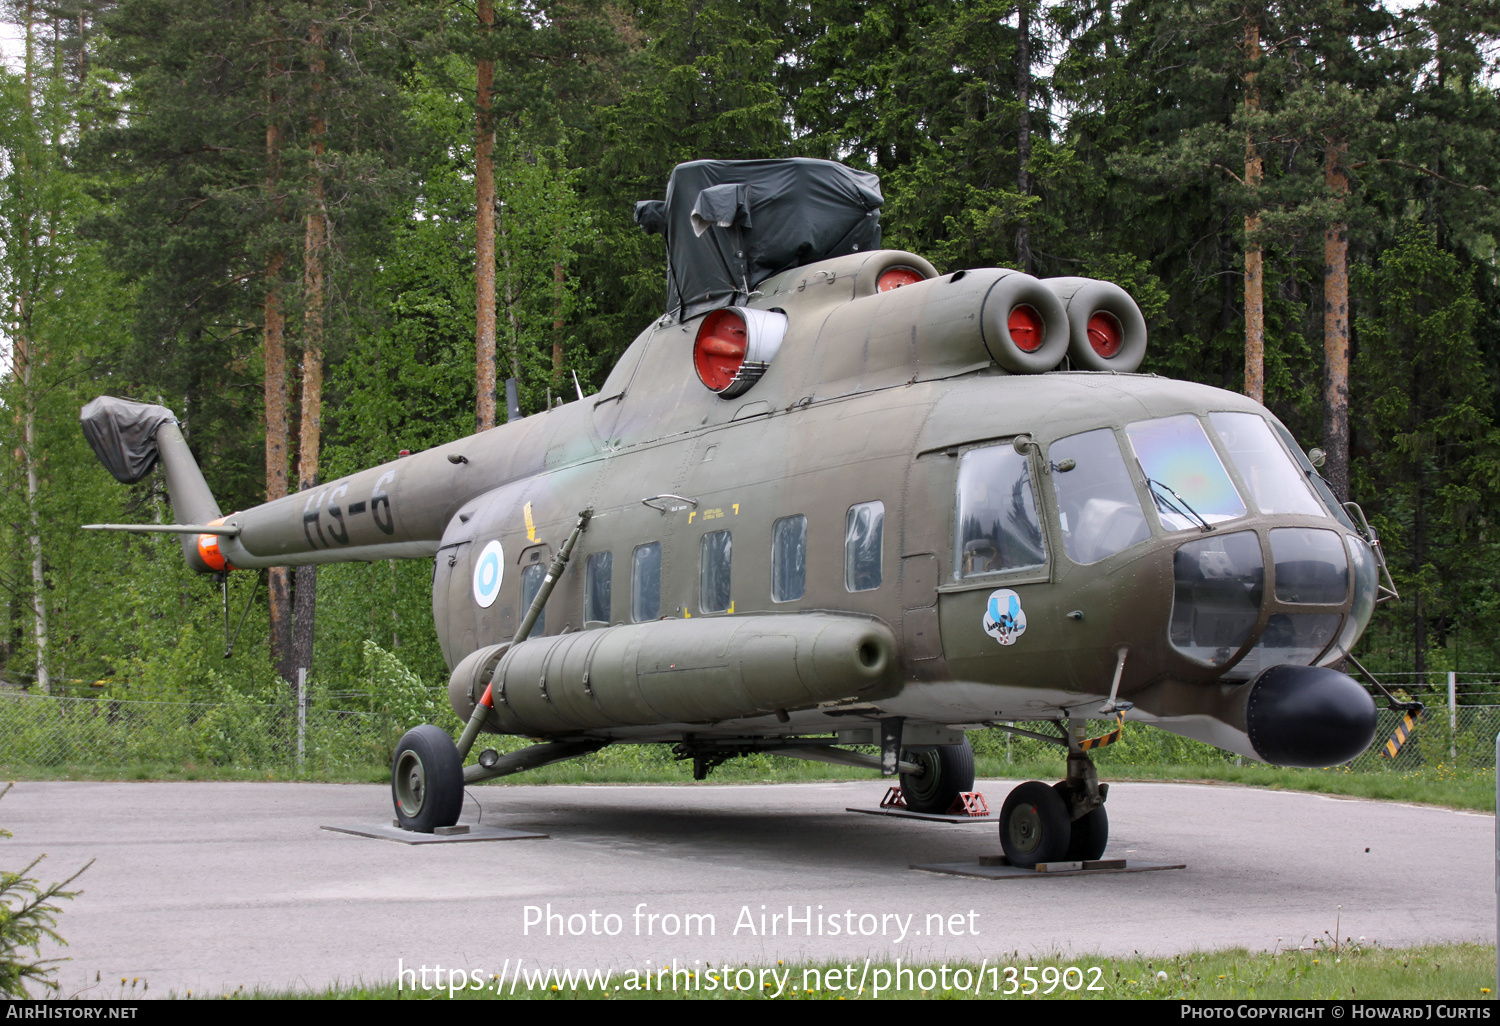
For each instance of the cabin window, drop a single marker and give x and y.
(1097, 506)
(1276, 483)
(596, 583)
(998, 528)
(789, 558)
(713, 580)
(531, 583)
(1185, 475)
(645, 582)
(864, 531)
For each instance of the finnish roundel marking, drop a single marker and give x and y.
(489, 571)
(1004, 619)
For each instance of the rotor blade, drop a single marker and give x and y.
(223, 531)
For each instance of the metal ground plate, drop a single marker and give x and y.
(929, 816)
(1004, 872)
(386, 832)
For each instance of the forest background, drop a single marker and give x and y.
(293, 223)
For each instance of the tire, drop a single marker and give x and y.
(1034, 825)
(950, 771)
(427, 780)
(1090, 833)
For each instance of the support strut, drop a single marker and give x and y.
(554, 571)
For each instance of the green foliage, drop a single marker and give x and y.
(400, 695)
(1433, 468)
(28, 915)
(139, 210)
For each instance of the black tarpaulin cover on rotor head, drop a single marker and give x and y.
(731, 224)
(123, 435)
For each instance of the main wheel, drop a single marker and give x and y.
(1090, 832)
(1034, 825)
(948, 770)
(427, 780)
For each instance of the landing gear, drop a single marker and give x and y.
(427, 780)
(1065, 822)
(1034, 825)
(947, 770)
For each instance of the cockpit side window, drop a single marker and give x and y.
(1098, 509)
(998, 528)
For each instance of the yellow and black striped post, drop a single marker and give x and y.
(1090, 743)
(1403, 731)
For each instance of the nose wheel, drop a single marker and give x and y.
(1062, 822)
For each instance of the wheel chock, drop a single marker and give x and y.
(969, 803)
(893, 799)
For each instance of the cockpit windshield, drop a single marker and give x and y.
(1187, 480)
(1276, 484)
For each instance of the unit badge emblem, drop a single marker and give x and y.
(1004, 619)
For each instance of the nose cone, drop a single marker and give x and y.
(1308, 716)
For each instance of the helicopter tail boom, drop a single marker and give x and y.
(130, 438)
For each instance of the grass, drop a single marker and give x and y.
(1355, 971)
(1459, 789)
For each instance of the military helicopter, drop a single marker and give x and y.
(834, 498)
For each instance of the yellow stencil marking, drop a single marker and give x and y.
(530, 524)
(692, 515)
(736, 509)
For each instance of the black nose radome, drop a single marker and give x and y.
(1308, 716)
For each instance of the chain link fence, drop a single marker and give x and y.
(53, 732)
(45, 731)
(1462, 744)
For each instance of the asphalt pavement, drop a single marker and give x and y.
(216, 885)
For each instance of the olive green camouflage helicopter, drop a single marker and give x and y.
(847, 500)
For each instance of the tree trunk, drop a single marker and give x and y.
(278, 578)
(484, 232)
(309, 435)
(510, 307)
(24, 358)
(558, 277)
(1023, 130)
(1419, 545)
(1255, 317)
(1336, 329)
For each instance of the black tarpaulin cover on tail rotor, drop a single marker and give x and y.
(123, 435)
(731, 224)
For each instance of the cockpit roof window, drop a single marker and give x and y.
(1187, 479)
(1275, 483)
